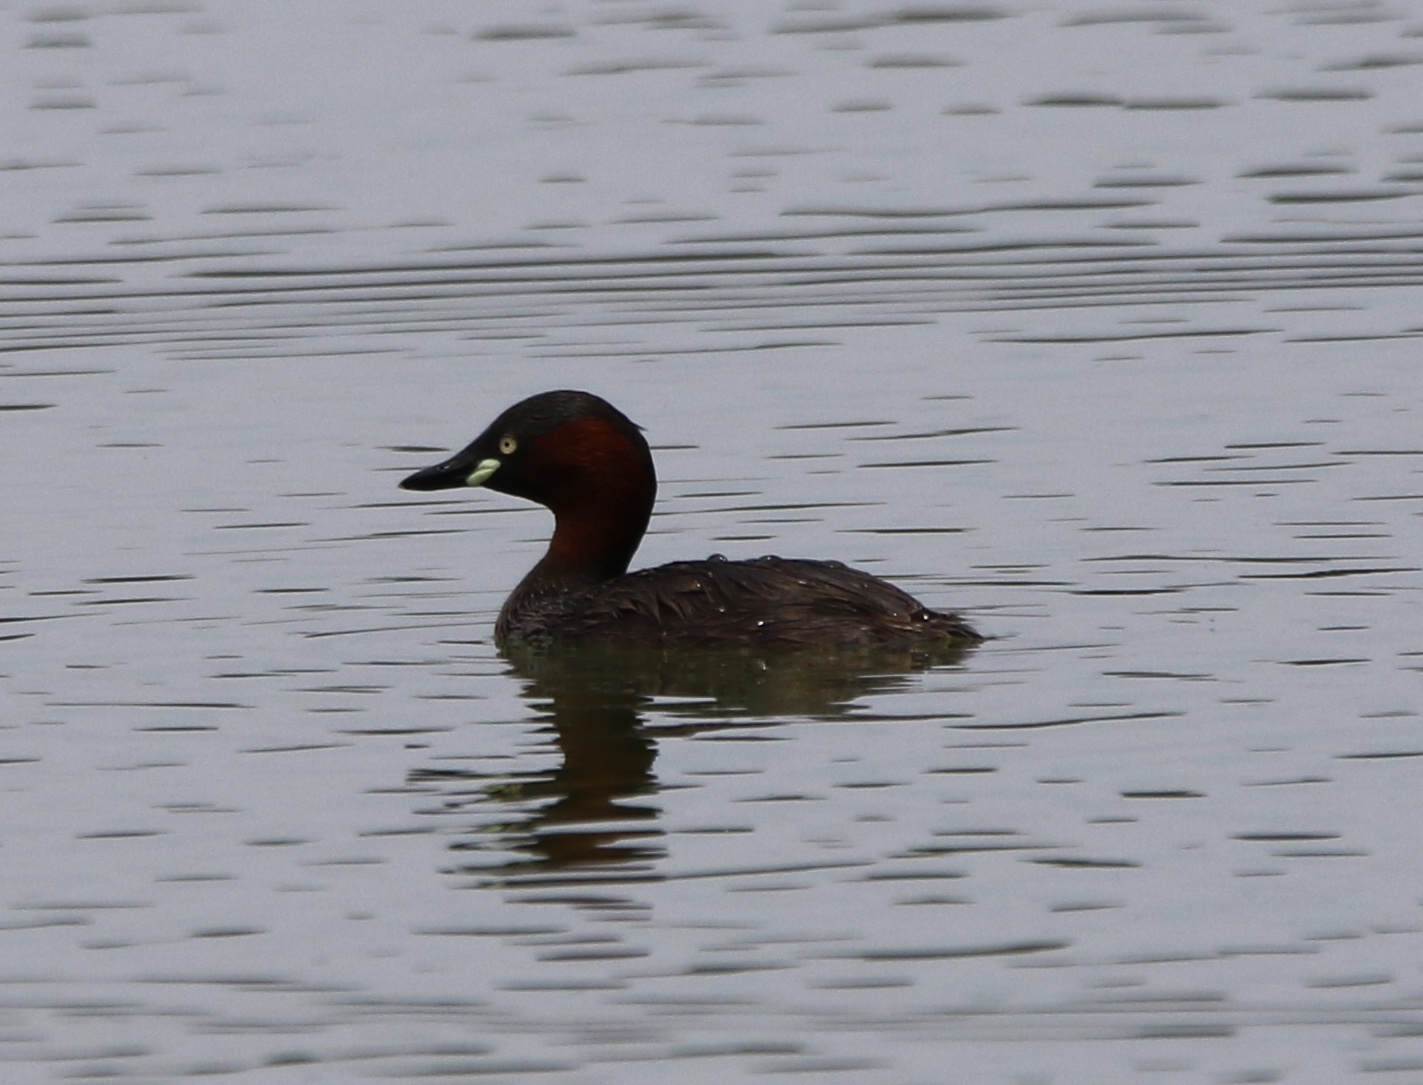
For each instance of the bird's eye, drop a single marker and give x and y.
(507, 444)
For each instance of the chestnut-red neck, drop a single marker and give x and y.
(600, 485)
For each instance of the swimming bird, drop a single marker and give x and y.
(584, 460)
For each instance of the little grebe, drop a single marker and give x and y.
(589, 464)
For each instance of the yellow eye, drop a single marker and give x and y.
(507, 445)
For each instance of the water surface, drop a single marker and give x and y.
(1098, 323)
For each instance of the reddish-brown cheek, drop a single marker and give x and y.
(561, 464)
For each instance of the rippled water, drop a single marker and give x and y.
(1098, 322)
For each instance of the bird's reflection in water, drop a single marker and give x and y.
(592, 818)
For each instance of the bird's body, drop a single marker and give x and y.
(583, 459)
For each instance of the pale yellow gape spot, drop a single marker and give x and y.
(480, 475)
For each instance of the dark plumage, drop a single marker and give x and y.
(590, 465)
(769, 602)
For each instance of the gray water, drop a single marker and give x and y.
(1099, 323)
